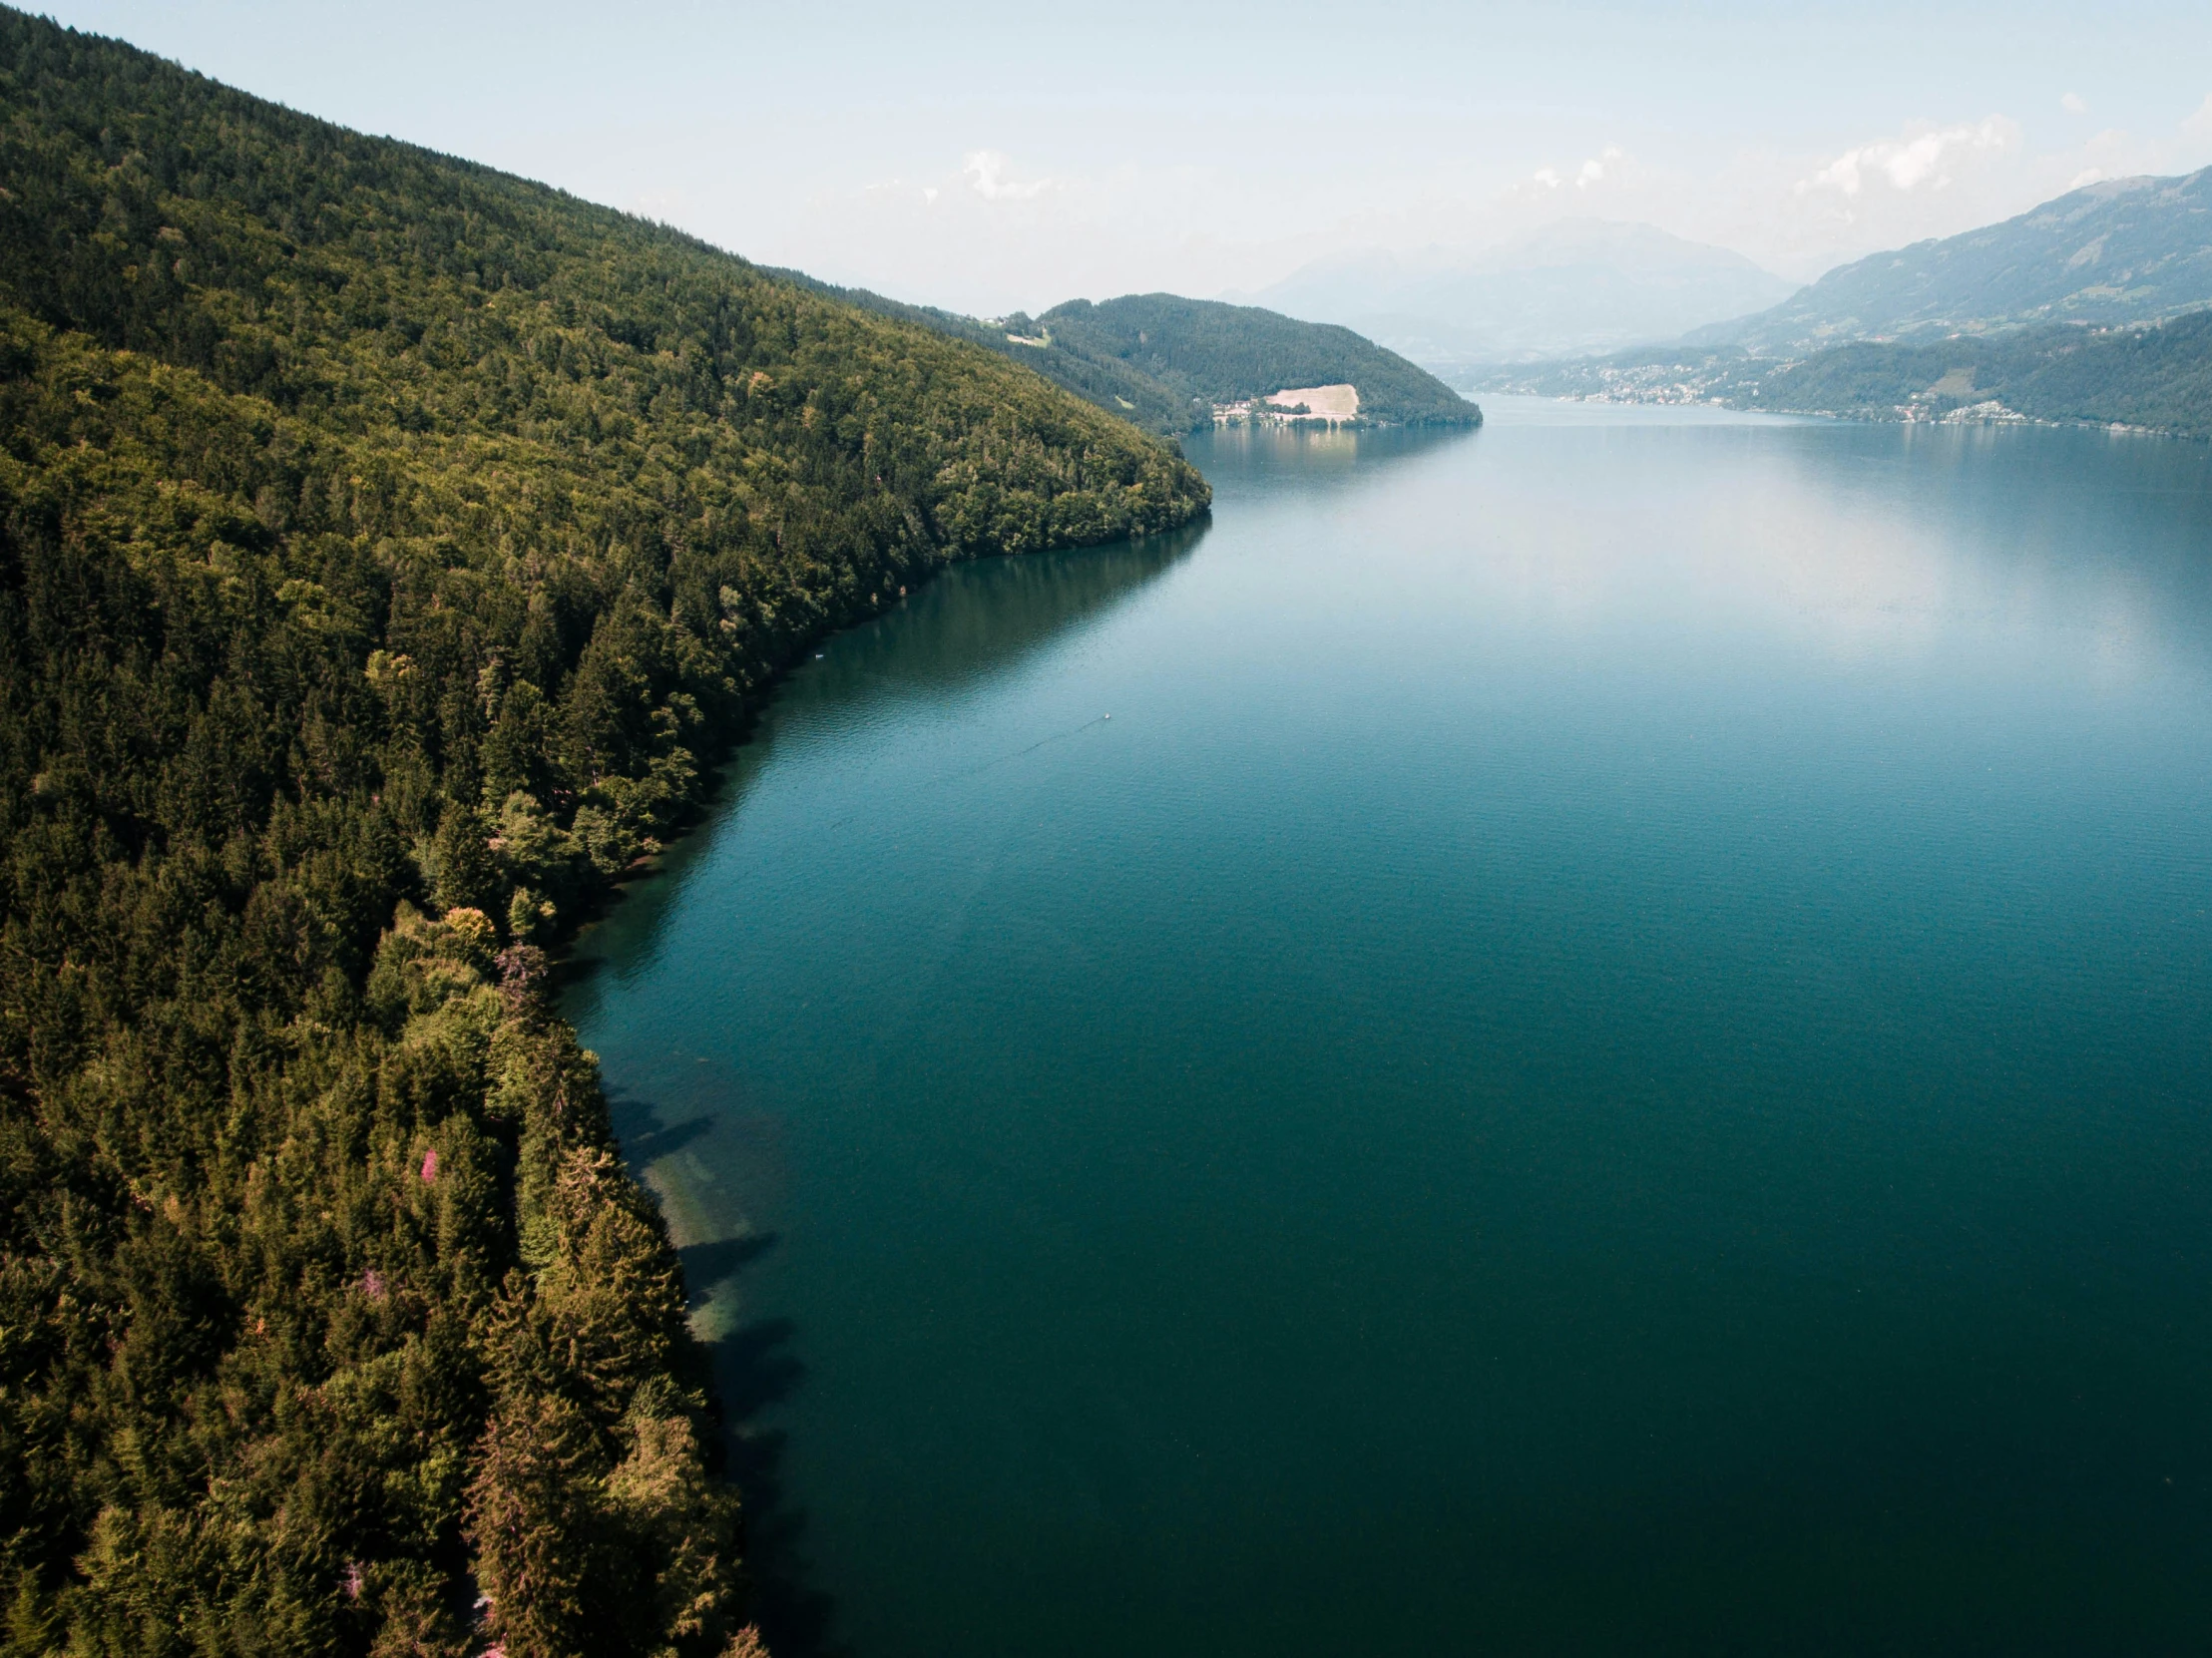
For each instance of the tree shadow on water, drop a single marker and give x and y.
(707, 1265)
(645, 1147)
(755, 1368)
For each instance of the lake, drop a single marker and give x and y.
(1590, 1035)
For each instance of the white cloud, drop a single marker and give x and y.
(1593, 170)
(989, 231)
(2073, 104)
(1802, 213)
(1930, 157)
(1611, 167)
(1024, 224)
(986, 172)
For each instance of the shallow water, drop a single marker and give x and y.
(1609, 1050)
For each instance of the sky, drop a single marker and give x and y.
(990, 158)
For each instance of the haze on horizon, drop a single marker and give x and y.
(990, 157)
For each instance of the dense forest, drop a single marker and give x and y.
(386, 545)
(1163, 362)
(2157, 377)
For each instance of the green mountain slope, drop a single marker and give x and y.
(1164, 362)
(384, 543)
(2124, 251)
(1107, 383)
(1208, 352)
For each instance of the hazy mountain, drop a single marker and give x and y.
(1574, 287)
(2126, 251)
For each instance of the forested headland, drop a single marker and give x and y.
(386, 546)
(1164, 361)
(1221, 353)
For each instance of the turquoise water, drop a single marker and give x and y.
(1609, 1050)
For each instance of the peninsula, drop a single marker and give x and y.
(1174, 365)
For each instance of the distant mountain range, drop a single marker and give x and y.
(1571, 288)
(1164, 362)
(2124, 251)
(2095, 306)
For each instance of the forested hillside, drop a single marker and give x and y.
(385, 544)
(1108, 384)
(1163, 362)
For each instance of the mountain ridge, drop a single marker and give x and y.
(2090, 307)
(2134, 250)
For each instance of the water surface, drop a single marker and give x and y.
(1608, 1050)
